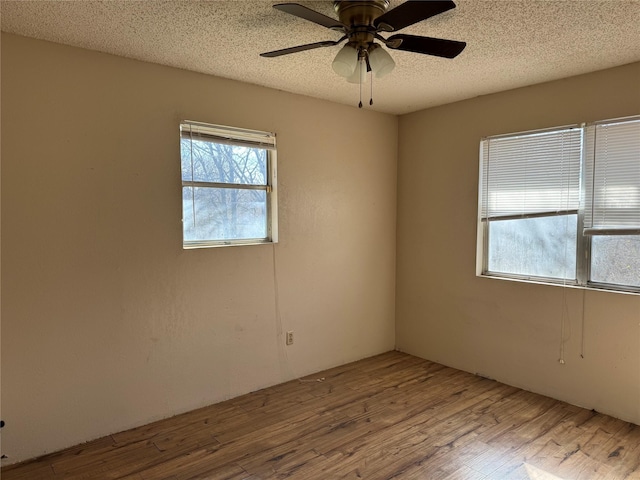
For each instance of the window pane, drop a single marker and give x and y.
(222, 163)
(540, 247)
(616, 259)
(223, 213)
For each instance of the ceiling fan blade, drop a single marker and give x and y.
(299, 48)
(310, 15)
(413, 11)
(427, 45)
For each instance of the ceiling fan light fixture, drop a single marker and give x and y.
(380, 61)
(346, 61)
(359, 74)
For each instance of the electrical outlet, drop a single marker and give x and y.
(290, 338)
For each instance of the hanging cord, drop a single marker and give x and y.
(285, 365)
(584, 295)
(564, 309)
(564, 287)
(371, 93)
(563, 323)
(360, 81)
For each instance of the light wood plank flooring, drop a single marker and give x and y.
(392, 416)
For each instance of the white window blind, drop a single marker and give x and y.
(531, 174)
(612, 178)
(228, 135)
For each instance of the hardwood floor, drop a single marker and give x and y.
(392, 416)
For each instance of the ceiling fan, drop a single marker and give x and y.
(361, 22)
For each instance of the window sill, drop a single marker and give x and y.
(572, 284)
(227, 243)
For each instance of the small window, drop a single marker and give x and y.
(228, 186)
(562, 205)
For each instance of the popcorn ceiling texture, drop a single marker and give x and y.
(510, 43)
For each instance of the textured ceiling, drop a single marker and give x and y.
(510, 43)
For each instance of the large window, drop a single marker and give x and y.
(562, 205)
(228, 185)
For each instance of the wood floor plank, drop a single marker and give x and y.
(392, 416)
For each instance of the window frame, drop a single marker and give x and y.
(221, 134)
(583, 251)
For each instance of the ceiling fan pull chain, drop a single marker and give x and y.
(360, 75)
(371, 93)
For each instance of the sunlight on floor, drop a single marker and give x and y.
(537, 474)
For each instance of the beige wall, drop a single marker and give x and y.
(506, 330)
(106, 322)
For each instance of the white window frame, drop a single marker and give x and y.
(583, 239)
(240, 137)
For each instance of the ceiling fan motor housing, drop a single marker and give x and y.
(359, 16)
(359, 12)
